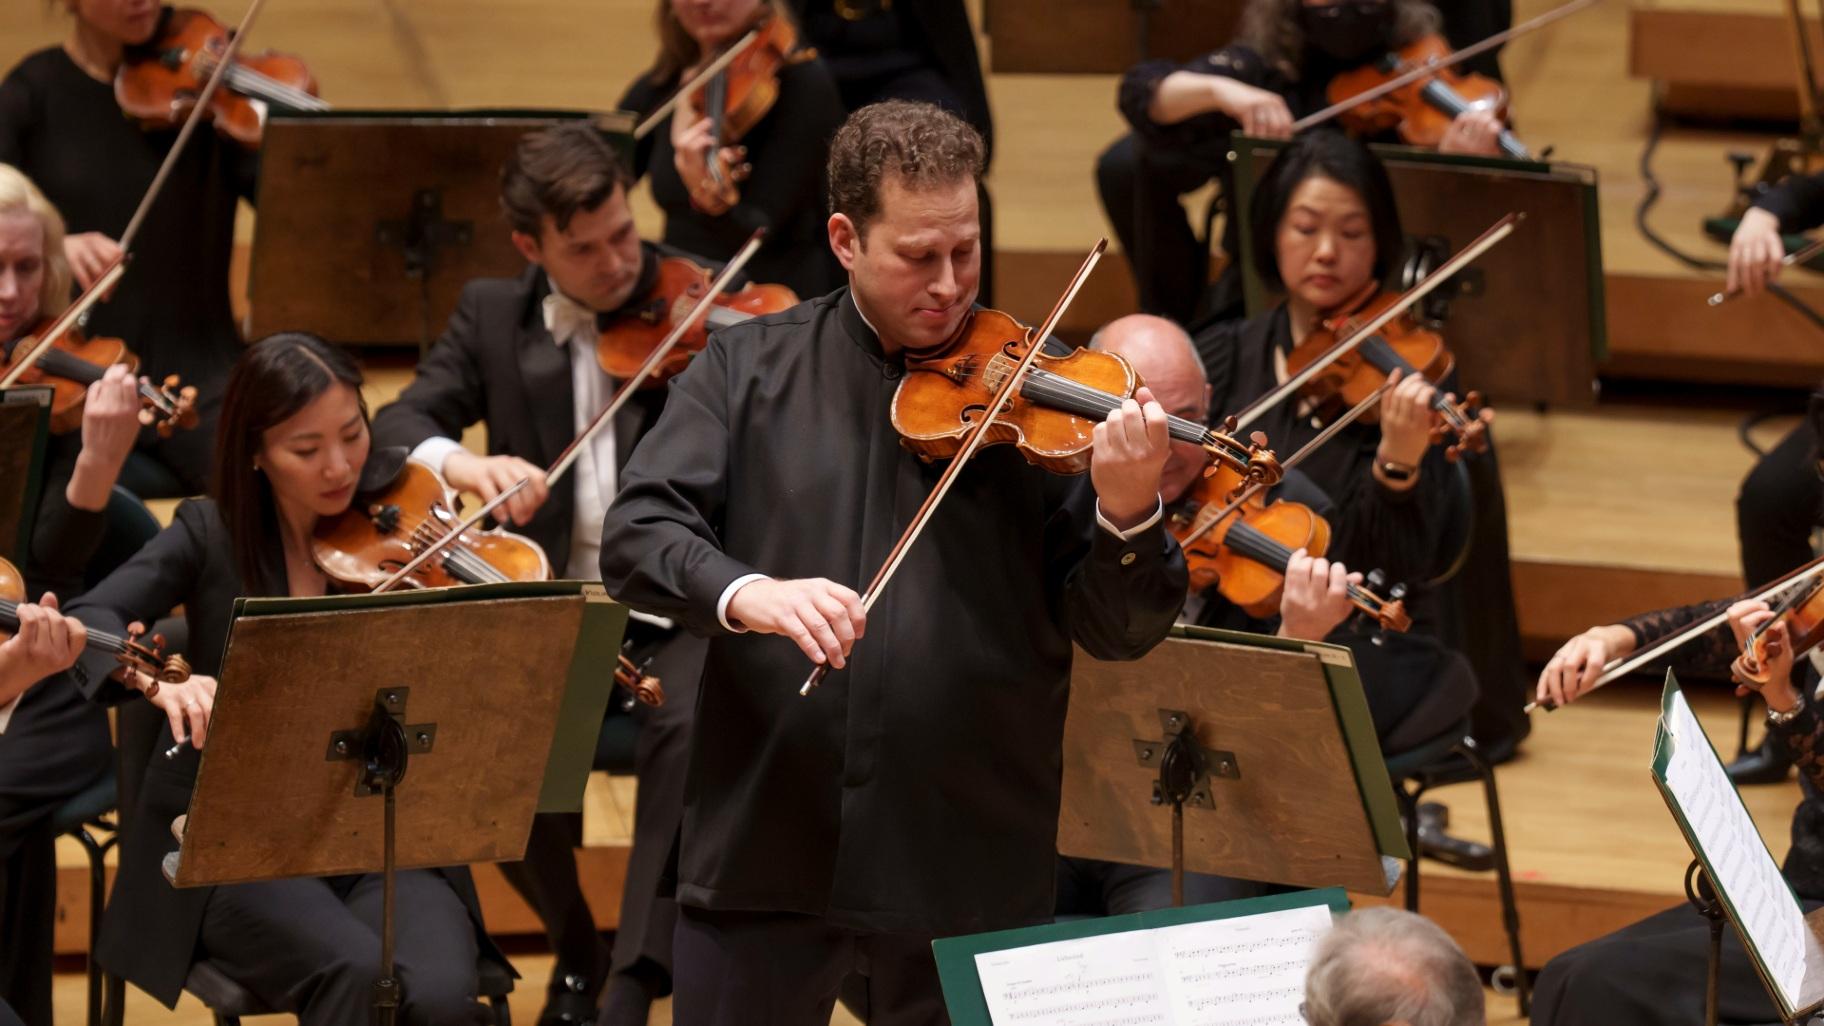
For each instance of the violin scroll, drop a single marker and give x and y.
(644, 687)
(1257, 465)
(1464, 425)
(1389, 611)
(149, 658)
(169, 407)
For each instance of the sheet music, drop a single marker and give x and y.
(1247, 971)
(1744, 870)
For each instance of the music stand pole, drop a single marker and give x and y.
(1703, 898)
(1182, 772)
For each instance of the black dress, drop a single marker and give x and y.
(1417, 688)
(939, 746)
(64, 130)
(785, 194)
(153, 931)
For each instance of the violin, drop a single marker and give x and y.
(1243, 548)
(1053, 417)
(146, 657)
(627, 342)
(382, 531)
(73, 363)
(159, 81)
(1361, 373)
(738, 96)
(1421, 112)
(1801, 609)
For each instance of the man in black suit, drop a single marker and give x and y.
(519, 356)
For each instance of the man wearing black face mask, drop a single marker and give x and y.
(1275, 71)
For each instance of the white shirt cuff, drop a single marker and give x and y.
(728, 593)
(433, 451)
(1158, 512)
(6, 712)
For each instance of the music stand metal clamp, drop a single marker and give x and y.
(423, 232)
(1185, 771)
(384, 748)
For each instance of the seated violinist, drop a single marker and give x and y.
(1653, 972)
(293, 448)
(1313, 602)
(1325, 231)
(719, 178)
(1276, 71)
(57, 742)
(521, 356)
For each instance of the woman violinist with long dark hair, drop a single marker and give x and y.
(293, 448)
(718, 178)
(1325, 230)
(61, 125)
(1278, 69)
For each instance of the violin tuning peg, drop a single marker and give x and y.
(1375, 579)
(1259, 438)
(1396, 593)
(1230, 424)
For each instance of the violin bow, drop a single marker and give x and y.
(561, 465)
(184, 132)
(66, 320)
(1628, 664)
(1797, 256)
(1483, 243)
(450, 536)
(977, 435)
(1430, 68)
(644, 128)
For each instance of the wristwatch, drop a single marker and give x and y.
(1394, 470)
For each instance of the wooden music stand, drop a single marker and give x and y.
(325, 704)
(371, 222)
(1527, 321)
(25, 419)
(1282, 782)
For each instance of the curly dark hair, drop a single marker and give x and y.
(559, 170)
(920, 144)
(1270, 28)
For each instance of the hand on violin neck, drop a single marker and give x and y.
(822, 617)
(488, 476)
(1574, 669)
(89, 254)
(1406, 417)
(1474, 133)
(1127, 460)
(110, 428)
(1315, 599)
(693, 150)
(1756, 253)
(44, 643)
(1769, 657)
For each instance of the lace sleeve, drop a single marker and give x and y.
(1803, 737)
(1707, 655)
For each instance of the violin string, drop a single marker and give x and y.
(1043, 384)
(114, 643)
(1251, 542)
(424, 532)
(258, 83)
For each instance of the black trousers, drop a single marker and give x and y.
(56, 744)
(312, 947)
(1140, 186)
(547, 879)
(1780, 504)
(1651, 974)
(782, 969)
(1089, 887)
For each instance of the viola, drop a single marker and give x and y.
(1052, 418)
(1361, 373)
(73, 363)
(1421, 111)
(735, 98)
(1801, 609)
(159, 82)
(382, 531)
(633, 336)
(147, 657)
(1243, 549)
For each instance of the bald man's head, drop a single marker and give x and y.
(1166, 360)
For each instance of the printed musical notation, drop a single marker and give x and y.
(1247, 971)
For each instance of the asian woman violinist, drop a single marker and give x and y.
(293, 447)
(56, 742)
(1325, 229)
(772, 170)
(1277, 70)
(61, 125)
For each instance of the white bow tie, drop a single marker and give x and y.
(566, 319)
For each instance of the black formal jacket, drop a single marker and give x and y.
(916, 791)
(64, 538)
(1798, 202)
(495, 362)
(150, 932)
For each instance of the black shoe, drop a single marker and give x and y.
(569, 1001)
(1767, 764)
(1434, 843)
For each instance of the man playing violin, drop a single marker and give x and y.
(519, 355)
(916, 793)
